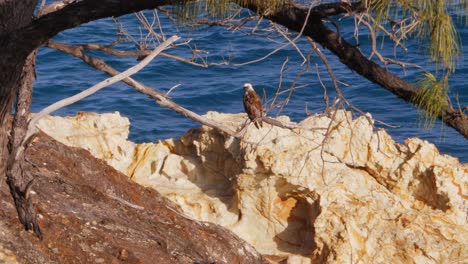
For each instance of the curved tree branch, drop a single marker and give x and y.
(69, 15)
(293, 16)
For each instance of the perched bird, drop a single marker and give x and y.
(253, 105)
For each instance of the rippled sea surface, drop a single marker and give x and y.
(219, 88)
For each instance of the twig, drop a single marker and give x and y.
(55, 6)
(41, 6)
(172, 88)
(141, 53)
(123, 201)
(384, 60)
(325, 95)
(327, 65)
(291, 42)
(277, 123)
(335, 84)
(272, 104)
(284, 45)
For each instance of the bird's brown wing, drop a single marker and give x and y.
(253, 106)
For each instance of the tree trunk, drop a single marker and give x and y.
(23, 105)
(16, 81)
(13, 15)
(20, 185)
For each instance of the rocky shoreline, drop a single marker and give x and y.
(335, 190)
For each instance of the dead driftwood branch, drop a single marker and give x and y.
(73, 99)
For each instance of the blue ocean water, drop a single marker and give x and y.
(219, 88)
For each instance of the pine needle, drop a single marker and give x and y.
(431, 98)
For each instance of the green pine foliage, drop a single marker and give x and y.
(427, 20)
(219, 9)
(431, 98)
(430, 22)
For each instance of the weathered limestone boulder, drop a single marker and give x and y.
(335, 190)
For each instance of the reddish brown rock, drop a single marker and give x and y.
(91, 213)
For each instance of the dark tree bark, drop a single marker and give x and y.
(20, 185)
(23, 104)
(13, 15)
(16, 75)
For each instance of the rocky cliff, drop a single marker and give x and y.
(335, 190)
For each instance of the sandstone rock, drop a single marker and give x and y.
(104, 135)
(336, 190)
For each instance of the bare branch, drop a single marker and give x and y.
(335, 84)
(142, 53)
(172, 88)
(52, 7)
(160, 98)
(329, 69)
(277, 123)
(325, 95)
(281, 31)
(97, 87)
(272, 103)
(385, 61)
(284, 45)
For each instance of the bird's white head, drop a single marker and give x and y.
(248, 86)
